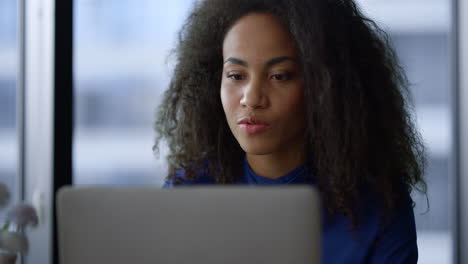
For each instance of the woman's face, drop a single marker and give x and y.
(262, 88)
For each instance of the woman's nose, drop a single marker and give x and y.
(254, 95)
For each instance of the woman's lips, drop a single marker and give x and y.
(254, 129)
(253, 126)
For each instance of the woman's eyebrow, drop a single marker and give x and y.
(277, 60)
(269, 63)
(236, 61)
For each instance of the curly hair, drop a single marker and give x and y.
(359, 129)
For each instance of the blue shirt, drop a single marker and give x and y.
(369, 242)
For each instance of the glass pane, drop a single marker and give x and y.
(120, 73)
(8, 80)
(423, 48)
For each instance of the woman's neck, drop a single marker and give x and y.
(277, 164)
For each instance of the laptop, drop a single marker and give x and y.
(196, 224)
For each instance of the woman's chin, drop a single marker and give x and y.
(257, 150)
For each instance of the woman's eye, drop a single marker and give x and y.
(281, 77)
(236, 77)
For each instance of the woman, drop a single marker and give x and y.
(299, 92)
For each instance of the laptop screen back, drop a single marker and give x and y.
(208, 224)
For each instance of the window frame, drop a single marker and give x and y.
(460, 116)
(46, 116)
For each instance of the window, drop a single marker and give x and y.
(8, 82)
(120, 73)
(423, 48)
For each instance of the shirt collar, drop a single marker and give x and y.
(297, 175)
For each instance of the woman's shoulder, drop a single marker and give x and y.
(395, 240)
(375, 239)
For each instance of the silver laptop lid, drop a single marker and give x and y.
(210, 224)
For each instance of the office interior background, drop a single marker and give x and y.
(122, 65)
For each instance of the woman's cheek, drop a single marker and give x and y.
(227, 102)
(229, 97)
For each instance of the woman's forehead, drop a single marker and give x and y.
(258, 36)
